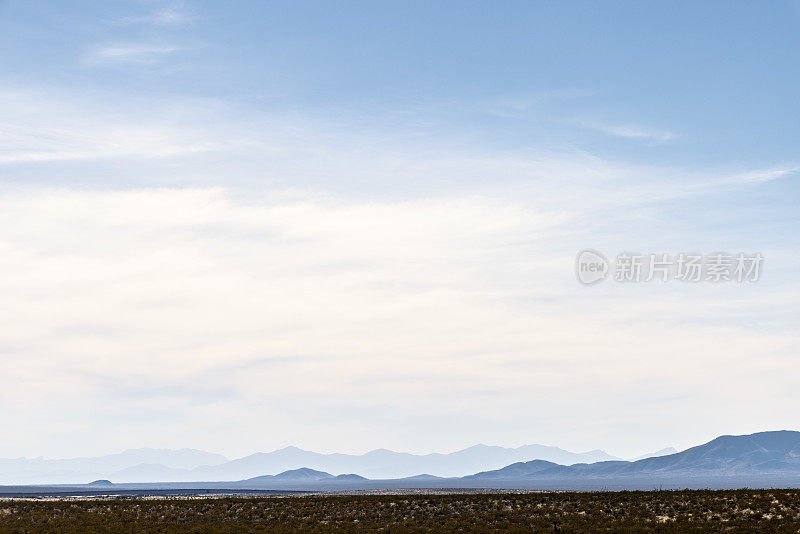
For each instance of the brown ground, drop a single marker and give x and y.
(654, 511)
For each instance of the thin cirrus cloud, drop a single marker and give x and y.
(130, 54)
(308, 152)
(173, 15)
(37, 127)
(764, 175)
(631, 131)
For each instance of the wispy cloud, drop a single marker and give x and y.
(525, 106)
(631, 131)
(37, 128)
(762, 175)
(172, 15)
(313, 152)
(142, 54)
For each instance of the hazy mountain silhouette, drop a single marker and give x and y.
(162, 465)
(295, 475)
(663, 452)
(149, 473)
(383, 463)
(758, 454)
(305, 475)
(754, 454)
(349, 477)
(424, 476)
(40, 470)
(727, 461)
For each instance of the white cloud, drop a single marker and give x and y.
(431, 311)
(337, 269)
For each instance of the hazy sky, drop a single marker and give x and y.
(237, 226)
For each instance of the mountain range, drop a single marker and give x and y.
(148, 465)
(67, 470)
(763, 453)
(383, 463)
(764, 459)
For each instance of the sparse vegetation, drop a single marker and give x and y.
(656, 511)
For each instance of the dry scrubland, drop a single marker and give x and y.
(657, 511)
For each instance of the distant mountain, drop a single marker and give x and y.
(349, 477)
(149, 473)
(78, 470)
(663, 452)
(754, 454)
(303, 475)
(295, 475)
(383, 463)
(761, 458)
(517, 470)
(175, 459)
(423, 476)
(186, 465)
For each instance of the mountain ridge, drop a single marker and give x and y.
(385, 463)
(760, 453)
(147, 465)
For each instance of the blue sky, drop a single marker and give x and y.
(718, 79)
(237, 226)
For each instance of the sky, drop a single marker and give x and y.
(236, 226)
